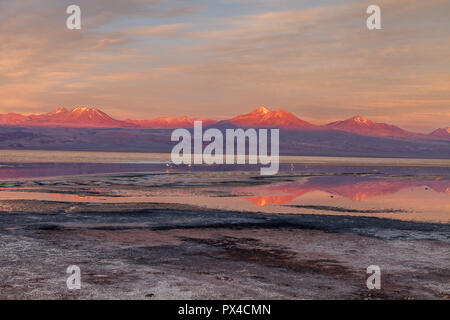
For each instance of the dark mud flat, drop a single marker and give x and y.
(170, 251)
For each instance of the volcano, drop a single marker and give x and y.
(77, 117)
(265, 118)
(365, 127)
(441, 133)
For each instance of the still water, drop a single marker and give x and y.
(403, 189)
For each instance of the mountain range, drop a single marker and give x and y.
(262, 117)
(93, 130)
(169, 122)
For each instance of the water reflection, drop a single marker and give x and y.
(357, 189)
(406, 193)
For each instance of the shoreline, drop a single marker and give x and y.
(22, 156)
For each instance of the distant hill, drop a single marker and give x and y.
(91, 129)
(363, 126)
(84, 117)
(262, 117)
(12, 119)
(441, 133)
(169, 122)
(307, 142)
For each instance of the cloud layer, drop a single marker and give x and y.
(216, 58)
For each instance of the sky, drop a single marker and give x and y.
(143, 59)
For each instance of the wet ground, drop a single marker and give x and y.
(307, 233)
(156, 251)
(401, 193)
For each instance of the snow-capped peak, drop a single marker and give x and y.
(360, 119)
(83, 109)
(262, 110)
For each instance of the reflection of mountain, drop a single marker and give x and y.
(351, 188)
(262, 201)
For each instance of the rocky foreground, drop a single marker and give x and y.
(170, 251)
